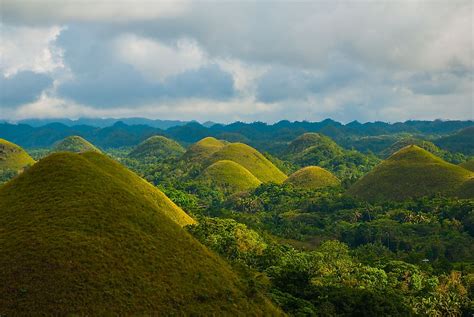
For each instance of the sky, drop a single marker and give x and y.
(237, 60)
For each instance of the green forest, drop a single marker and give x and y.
(308, 227)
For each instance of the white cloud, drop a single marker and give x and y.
(156, 60)
(29, 49)
(244, 75)
(345, 59)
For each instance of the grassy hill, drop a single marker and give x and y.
(82, 235)
(251, 159)
(399, 144)
(410, 172)
(312, 177)
(157, 147)
(463, 141)
(469, 165)
(467, 189)
(74, 144)
(230, 176)
(315, 149)
(310, 141)
(203, 149)
(13, 157)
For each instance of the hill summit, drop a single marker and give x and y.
(410, 172)
(13, 157)
(230, 176)
(75, 144)
(203, 149)
(313, 149)
(157, 147)
(251, 159)
(82, 235)
(312, 177)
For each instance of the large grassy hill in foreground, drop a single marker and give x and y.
(229, 176)
(312, 177)
(158, 147)
(75, 144)
(13, 157)
(251, 159)
(79, 234)
(410, 172)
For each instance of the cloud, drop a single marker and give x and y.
(23, 87)
(57, 11)
(244, 60)
(29, 49)
(157, 61)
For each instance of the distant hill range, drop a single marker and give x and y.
(107, 122)
(106, 133)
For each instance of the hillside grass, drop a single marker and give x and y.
(410, 172)
(75, 144)
(158, 147)
(77, 238)
(313, 140)
(467, 189)
(312, 177)
(469, 165)
(13, 157)
(400, 144)
(229, 177)
(251, 159)
(203, 149)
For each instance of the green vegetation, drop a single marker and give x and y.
(463, 141)
(203, 149)
(312, 177)
(250, 159)
(469, 165)
(466, 190)
(75, 144)
(310, 141)
(361, 275)
(316, 149)
(410, 172)
(400, 144)
(454, 158)
(81, 235)
(82, 230)
(13, 157)
(157, 148)
(229, 177)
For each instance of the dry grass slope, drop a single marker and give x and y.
(75, 144)
(312, 177)
(410, 172)
(158, 147)
(230, 176)
(251, 159)
(76, 239)
(13, 157)
(203, 149)
(469, 165)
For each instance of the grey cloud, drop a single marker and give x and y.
(23, 87)
(103, 81)
(347, 60)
